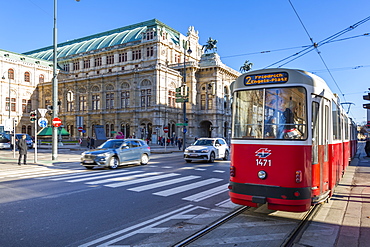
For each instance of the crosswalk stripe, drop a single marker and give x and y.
(187, 187)
(67, 173)
(123, 178)
(115, 185)
(89, 173)
(164, 183)
(206, 194)
(100, 176)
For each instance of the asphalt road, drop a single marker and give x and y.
(66, 205)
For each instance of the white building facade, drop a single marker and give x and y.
(20, 76)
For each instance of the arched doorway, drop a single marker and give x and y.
(205, 129)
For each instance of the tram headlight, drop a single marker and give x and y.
(262, 174)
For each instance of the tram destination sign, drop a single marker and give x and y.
(269, 78)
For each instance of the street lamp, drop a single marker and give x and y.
(189, 51)
(54, 154)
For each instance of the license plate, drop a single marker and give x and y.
(193, 155)
(89, 161)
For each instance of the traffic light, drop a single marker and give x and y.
(366, 106)
(33, 116)
(184, 90)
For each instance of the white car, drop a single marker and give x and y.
(207, 149)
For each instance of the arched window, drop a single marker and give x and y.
(24, 128)
(11, 74)
(41, 78)
(27, 76)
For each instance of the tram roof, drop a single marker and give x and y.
(106, 39)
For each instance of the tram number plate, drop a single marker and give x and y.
(263, 162)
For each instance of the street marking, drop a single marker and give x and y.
(90, 173)
(187, 187)
(207, 194)
(124, 178)
(218, 171)
(115, 185)
(146, 226)
(164, 183)
(99, 176)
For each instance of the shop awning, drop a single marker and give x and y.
(48, 131)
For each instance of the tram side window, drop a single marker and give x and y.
(277, 113)
(337, 134)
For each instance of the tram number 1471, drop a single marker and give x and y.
(263, 162)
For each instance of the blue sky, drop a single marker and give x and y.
(244, 29)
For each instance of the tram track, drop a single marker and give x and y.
(298, 231)
(288, 241)
(211, 227)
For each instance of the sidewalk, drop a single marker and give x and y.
(345, 220)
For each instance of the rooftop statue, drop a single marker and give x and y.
(211, 45)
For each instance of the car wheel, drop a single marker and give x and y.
(188, 161)
(89, 167)
(144, 159)
(226, 155)
(211, 157)
(113, 163)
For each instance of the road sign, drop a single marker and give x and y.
(165, 129)
(184, 130)
(57, 122)
(182, 124)
(181, 100)
(80, 129)
(43, 122)
(43, 112)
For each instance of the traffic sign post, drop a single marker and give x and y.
(165, 129)
(80, 129)
(57, 122)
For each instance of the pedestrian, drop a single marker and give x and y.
(92, 143)
(88, 140)
(22, 147)
(179, 143)
(367, 147)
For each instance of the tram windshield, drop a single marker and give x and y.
(276, 113)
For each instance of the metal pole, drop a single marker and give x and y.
(35, 144)
(13, 138)
(55, 87)
(184, 104)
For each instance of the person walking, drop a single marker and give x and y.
(92, 143)
(22, 147)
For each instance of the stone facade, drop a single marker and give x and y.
(23, 74)
(130, 87)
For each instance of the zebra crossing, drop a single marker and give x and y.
(159, 183)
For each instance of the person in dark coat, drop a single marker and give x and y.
(22, 147)
(367, 147)
(92, 143)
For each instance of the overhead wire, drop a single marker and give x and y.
(330, 38)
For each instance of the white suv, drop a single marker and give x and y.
(207, 149)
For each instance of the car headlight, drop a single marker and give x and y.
(186, 150)
(205, 151)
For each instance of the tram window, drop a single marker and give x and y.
(277, 113)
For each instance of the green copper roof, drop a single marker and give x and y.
(114, 37)
(24, 58)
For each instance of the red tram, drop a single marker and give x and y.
(291, 140)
